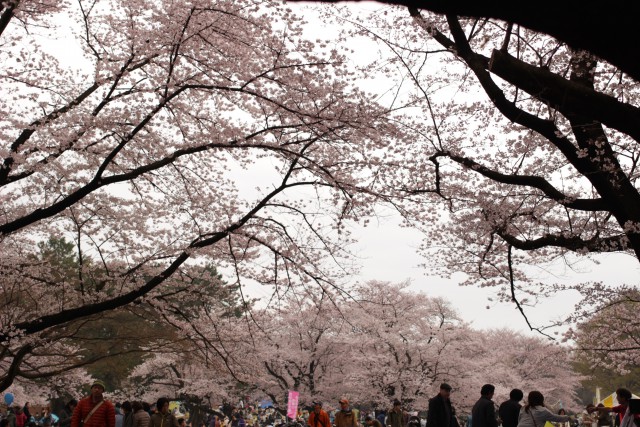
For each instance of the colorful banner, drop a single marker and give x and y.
(292, 406)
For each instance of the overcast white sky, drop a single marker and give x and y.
(389, 253)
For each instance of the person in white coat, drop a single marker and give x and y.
(535, 414)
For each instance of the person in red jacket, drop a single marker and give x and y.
(319, 417)
(94, 410)
(21, 418)
(625, 416)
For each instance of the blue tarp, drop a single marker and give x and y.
(266, 403)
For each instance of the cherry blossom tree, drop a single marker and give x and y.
(529, 145)
(405, 344)
(386, 342)
(608, 334)
(181, 134)
(410, 343)
(300, 343)
(510, 359)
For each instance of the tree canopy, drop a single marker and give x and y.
(530, 147)
(181, 134)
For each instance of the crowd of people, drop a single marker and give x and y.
(96, 411)
(485, 413)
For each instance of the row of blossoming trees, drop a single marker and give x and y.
(383, 342)
(159, 136)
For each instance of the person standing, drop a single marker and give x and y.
(21, 418)
(483, 413)
(345, 416)
(604, 418)
(241, 420)
(534, 413)
(27, 410)
(94, 410)
(372, 422)
(11, 417)
(119, 416)
(318, 417)
(67, 413)
(396, 416)
(510, 409)
(163, 417)
(561, 411)
(141, 417)
(625, 417)
(128, 413)
(441, 411)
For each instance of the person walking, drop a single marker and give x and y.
(535, 414)
(510, 409)
(141, 417)
(396, 416)
(345, 416)
(318, 417)
(94, 410)
(441, 412)
(163, 417)
(483, 413)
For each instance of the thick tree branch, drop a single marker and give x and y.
(41, 323)
(589, 205)
(9, 8)
(566, 96)
(573, 243)
(99, 182)
(546, 128)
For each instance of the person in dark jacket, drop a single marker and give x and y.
(483, 413)
(396, 416)
(127, 409)
(441, 412)
(67, 413)
(164, 417)
(510, 409)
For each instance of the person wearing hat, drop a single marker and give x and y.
(94, 410)
(318, 417)
(345, 417)
(441, 412)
